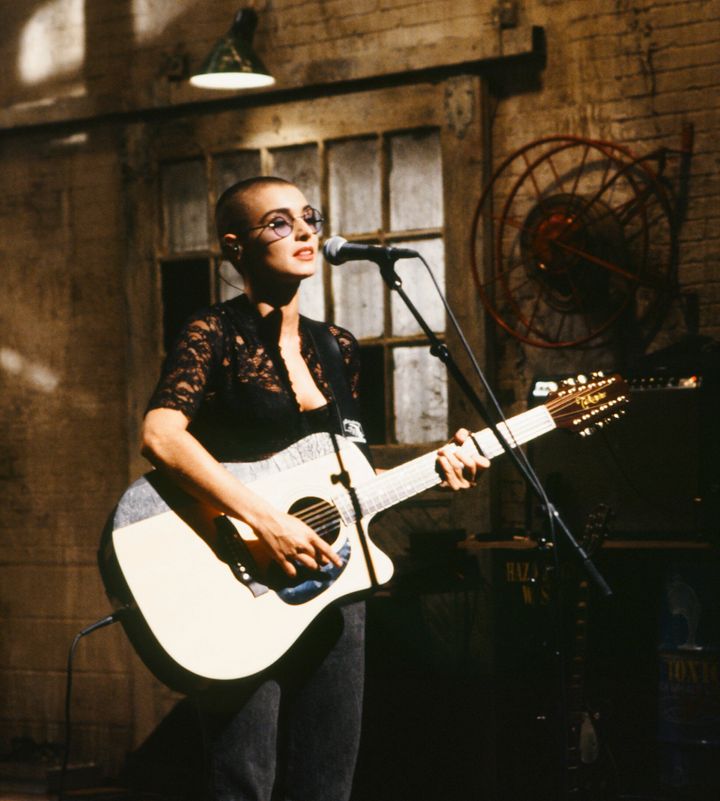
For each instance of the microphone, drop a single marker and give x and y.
(338, 250)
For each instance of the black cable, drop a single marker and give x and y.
(526, 470)
(517, 452)
(98, 624)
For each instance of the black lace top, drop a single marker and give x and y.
(226, 374)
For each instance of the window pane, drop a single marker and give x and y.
(354, 175)
(185, 289)
(416, 196)
(230, 282)
(358, 294)
(312, 293)
(420, 289)
(234, 167)
(184, 192)
(420, 401)
(300, 165)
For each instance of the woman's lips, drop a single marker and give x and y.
(306, 254)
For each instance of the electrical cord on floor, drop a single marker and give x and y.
(98, 624)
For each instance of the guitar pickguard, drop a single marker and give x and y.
(313, 582)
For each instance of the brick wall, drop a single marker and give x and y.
(630, 72)
(64, 450)
(113, 55)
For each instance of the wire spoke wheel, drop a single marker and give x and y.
(581, 234)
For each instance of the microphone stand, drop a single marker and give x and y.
(386, 263)
(439, 349)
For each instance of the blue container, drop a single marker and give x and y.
(689, 680)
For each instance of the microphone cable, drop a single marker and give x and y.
(528, 472)
(98, 624)
(526, 468)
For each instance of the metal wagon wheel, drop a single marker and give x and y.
(582, 234)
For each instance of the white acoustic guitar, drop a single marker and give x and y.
(201, 601)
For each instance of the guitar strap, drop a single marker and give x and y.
(345, 406)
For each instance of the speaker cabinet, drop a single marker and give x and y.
(656, 468)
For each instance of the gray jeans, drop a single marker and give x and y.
(292, 733)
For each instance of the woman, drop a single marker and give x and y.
(245, 379)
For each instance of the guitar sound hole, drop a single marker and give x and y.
(321, 516)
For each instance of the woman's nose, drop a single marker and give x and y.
(303, 227)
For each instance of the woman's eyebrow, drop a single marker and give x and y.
(284, 211)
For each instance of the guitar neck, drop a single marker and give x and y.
(411, 478)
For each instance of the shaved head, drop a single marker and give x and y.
(231, 210)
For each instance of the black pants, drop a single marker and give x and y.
(292, 733)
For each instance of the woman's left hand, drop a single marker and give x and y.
(459, 461)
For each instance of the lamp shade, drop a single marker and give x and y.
(232, 63)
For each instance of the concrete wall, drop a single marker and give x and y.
(64, 451)
(630, 71)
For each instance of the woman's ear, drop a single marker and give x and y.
(231, 247)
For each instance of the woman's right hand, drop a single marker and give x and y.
(169, 445)
(291, 541)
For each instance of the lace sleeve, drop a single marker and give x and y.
(188, 369)
(351, 356)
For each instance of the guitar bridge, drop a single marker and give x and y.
(231, 548)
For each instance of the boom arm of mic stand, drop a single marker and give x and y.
(440, 350)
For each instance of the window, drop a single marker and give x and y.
(377, 182)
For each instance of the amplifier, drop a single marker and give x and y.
(656, 468)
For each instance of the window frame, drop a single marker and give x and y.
(385, 112)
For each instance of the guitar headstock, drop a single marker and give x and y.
(586, 403)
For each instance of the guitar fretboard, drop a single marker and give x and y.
(419, 474)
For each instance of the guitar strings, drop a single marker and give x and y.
(323, 513)
(323, 517)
